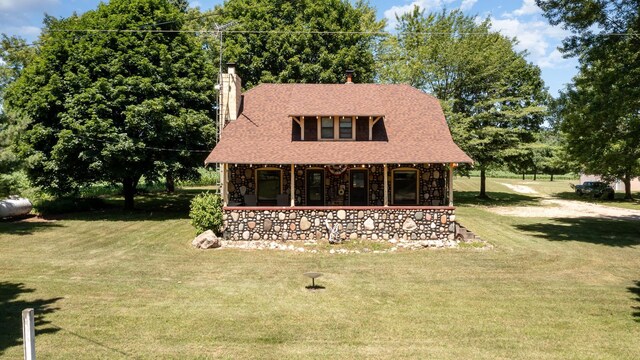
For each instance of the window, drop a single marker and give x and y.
(269, 186)
(405, 187)
(346, 128)
(326, 131)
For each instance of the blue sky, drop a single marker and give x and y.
(517, 18)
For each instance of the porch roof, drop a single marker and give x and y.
(414, 122)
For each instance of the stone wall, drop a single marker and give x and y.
(432, 182)
(285, 223)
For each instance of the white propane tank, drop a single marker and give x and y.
(14, 206)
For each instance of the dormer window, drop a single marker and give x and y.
(346, 128)
(338, 127)
(327, 128)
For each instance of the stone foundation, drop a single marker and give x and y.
(307, 223)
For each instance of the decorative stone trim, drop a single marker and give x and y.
(370, 223)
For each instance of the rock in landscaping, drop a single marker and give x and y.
(206, 240)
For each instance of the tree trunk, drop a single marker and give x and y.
(483, 184)
(551, 177)
(523, 176)
(627, 187)
(129, 191)
(535, 175)
(170, 183)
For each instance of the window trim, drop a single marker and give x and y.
(393, 192)
(336, 128)
(320, 127)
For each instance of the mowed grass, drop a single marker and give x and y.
(112, 284)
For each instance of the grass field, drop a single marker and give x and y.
(110, 284)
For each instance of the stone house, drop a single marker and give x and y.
(365, 160)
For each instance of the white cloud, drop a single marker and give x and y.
(427, 5)
(539, 38)
(25, 5)
(528, 7)
(467, 4)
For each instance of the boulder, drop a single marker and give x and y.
(409, 225)
(206, 240)
(368, 224)
(305, 224)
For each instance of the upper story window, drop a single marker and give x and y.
(326, 128)
(346, 128)
(338, 127)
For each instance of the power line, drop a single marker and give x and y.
(115, 142)
(311, 32)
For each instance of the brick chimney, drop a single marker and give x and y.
(349, 74)
(230, 94)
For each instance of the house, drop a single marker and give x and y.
(369, 160)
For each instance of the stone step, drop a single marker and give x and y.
(464, 234)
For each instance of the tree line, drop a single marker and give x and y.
(114, 106)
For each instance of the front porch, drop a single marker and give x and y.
(370, 201)
(337, 185)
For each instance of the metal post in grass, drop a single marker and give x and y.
(29, 334)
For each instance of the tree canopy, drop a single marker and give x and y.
(302, 41)
(15, 54)
(492, 96)
(600, 111)
(115, 105)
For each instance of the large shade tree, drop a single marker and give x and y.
(107, 102)
(493, 98)
(600, 112)
(301, 41)
(15, 54)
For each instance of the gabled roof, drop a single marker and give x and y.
(415, 125)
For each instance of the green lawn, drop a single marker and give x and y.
(109, 284)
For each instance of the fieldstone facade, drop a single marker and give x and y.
(434, 224)
(432, 187)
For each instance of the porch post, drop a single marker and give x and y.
(386, 186)
(450, 184)
(225, 184)
(293, 186)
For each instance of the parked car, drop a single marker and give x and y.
(595, 188)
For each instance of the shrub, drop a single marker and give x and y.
(206, 212)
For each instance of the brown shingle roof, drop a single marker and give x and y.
(415, 125)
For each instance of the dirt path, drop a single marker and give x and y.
(559, 208)
(520, 188)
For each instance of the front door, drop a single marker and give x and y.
(358, 192)
(315, 187)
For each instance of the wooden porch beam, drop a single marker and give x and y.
(224, 184)
(293, 186)
(386, 186)
(450, 184)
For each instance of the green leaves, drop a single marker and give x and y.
(492, 97)
(600, 112)
(281, 40)
(102, 103)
